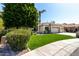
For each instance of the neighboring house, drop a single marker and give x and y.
(56, 28)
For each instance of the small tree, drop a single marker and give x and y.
(20, 15)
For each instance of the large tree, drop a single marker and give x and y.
(20, 15)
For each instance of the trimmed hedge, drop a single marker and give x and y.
(18, 39)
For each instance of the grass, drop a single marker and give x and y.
(40, 40)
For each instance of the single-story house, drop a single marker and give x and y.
(56, 28)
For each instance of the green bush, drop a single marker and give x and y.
(1, 24)
(2, 33)
(18, 39)
(1, 27)
(5, 31)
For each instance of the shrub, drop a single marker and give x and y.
(18, 39)
(5, 31)
(2, 33)
(34, 33)
(1, 24)
(1, 27)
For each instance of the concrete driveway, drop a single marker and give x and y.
(66, 33)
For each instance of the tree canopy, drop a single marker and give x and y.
(20, 15)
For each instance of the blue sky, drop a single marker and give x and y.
(58, 12)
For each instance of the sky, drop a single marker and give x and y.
(58, 12)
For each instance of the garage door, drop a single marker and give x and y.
(55, 30)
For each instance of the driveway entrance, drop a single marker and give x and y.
(70, 34)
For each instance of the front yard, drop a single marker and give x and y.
(40, 40)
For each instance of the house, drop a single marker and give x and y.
(52, 27)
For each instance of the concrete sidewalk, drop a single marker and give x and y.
(59, 48)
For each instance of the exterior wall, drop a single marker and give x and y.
(62, 29)
(41, 29)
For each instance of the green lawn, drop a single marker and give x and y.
(40, 40)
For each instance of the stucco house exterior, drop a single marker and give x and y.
(52, 27)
